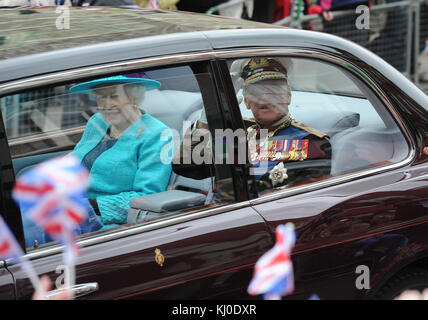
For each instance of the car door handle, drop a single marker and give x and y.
(79, 290)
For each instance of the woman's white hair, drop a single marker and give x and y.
(136, 92)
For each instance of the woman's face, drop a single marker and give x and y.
(268, 100)
(116, 106)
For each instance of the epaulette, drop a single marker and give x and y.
(303, 127)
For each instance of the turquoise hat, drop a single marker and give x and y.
(85, 87)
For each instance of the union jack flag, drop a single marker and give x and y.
(154, 4)
(9, 247)
(273, 273)
(53, 196)
(426, 47)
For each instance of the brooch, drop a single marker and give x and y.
(278, 174)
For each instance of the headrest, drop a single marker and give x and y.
(172, 107)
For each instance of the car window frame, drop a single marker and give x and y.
(349, 67)
(92, 72)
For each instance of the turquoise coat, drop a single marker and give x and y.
(131, 168)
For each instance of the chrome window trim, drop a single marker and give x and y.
(70, 75)
(45, 135)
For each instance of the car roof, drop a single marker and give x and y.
(33, 44)
(35, 30)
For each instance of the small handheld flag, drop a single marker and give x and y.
(154, 4)
(273, 272)
(53, 196)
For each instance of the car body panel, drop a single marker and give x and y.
(203, 248)
(352, 222)
(7, 284)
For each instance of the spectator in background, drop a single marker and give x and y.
(200, 6)
(344, 26)
(46, 284)
(301, 7)
(157, 4)
(263, 10)
(391, 42)
(422, 64)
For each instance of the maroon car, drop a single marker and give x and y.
(361, 228)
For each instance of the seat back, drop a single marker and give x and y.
(178, 110)
(172, 107)
(356, 148)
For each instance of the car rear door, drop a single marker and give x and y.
(349, 223)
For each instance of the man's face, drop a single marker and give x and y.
(268, 100)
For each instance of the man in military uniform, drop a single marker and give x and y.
(294, 152)
(289, 151)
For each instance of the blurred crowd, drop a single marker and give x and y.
(387, 34)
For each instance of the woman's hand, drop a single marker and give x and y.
(46, 284)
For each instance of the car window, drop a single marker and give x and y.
(307, 121)
(127, 131)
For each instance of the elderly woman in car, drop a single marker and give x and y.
(121, 146)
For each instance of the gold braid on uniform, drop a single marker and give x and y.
(289, 121)
(286, 123)
(304, 127)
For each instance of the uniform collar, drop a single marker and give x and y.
(282, 123)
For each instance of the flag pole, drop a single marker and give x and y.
(34, 278)
(70, 275)
(70, 279)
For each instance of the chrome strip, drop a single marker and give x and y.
(330, 182)
(45, 135)
(166, 60)
(99, 70)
